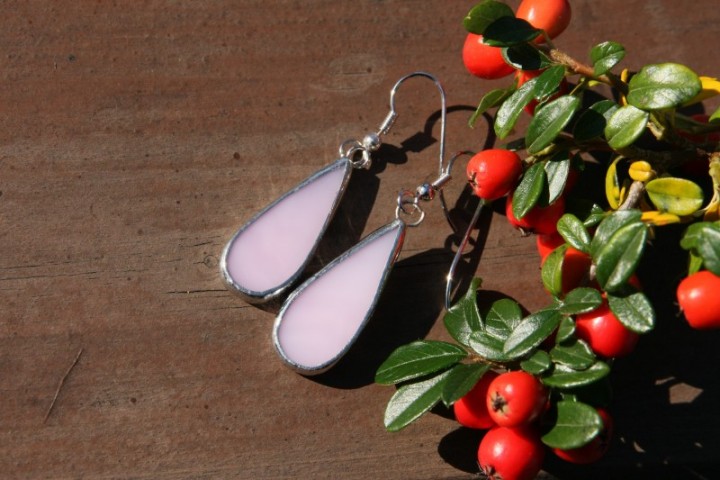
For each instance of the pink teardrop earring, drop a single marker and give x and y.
(322, 318)
(261, 261)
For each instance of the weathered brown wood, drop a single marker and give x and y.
(137, 136)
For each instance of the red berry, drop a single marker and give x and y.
(493, 173)
(547, 243)
(516, 398)
(510, 454)
(540, 220)
(604, 333)
(553, 16)
(699, 299)
(483, 60)
(471, 410)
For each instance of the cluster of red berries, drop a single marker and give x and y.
(485, 61)
(510, 406)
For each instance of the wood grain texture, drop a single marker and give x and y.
(137, 136)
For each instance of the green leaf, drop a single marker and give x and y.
(412, 400)
(709, 247)
(485, 13)
(509, 112)
(675, 195)
(691, 237)
(611, 224)
(526, 57)
(715, 115)
(619, 257)
(557, 169)
(574, 232)
(605, 56)
(549, 81)
(625, 126)
(591, 123)
(634, 311)
(565, 330)
(566, 377)
(507, 31)
(461, 379)
(576, 354)
(662, 86)
(529, 190)
(418, 359)
(538, 363)
(576, 425)
(580, 300)
(503, 317)
(491, 99)
(549, 121)
(695, 263)
(531, 332)
(488, 346)
(551, 271)
(463, 318)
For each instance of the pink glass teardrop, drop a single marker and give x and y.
(267, 254)
(324, 316)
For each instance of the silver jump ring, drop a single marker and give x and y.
(350, 148)
(406, 198)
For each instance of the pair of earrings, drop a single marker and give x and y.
(320, 320)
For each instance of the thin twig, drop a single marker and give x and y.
(62, 382)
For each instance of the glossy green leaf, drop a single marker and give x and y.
(529, 190)
(526, 57)
(509, 112)
(576, 425)
(507, 31)
(580, 300)
(708, 247)
(566, 377)
(485, 13)
(634, 311)
(566, 329)
(605, 56)
(557, 169)
(662, 86)
(591, 122)
(549, 81)
(675, 195)
(549, 121)
(575, 354)
(502, 318)
(539, 362)
(461, 379)
(574, 232)
(625, 126)
(418, 359)
(611, 224)
(488, 346)
(590, 213)
(491, 99)
(619, 257)
(463, 318)
(531, 332)
(551, 271)
(412, 400)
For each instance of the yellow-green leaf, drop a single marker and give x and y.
(675, 195)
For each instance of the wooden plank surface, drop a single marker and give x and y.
(137, 136)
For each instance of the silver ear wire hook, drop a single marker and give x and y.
(387, 124)
(450, 280)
